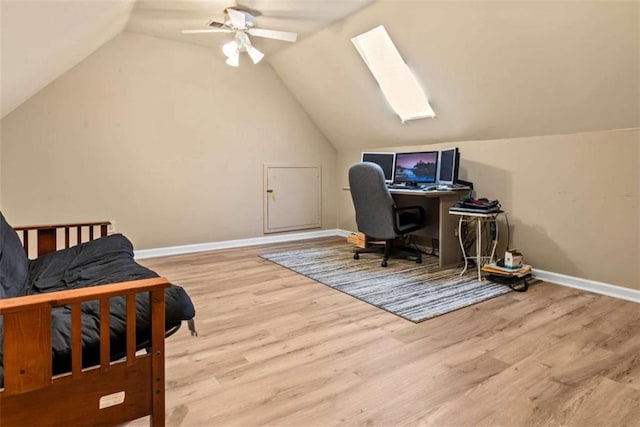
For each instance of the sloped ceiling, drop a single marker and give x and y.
(490, 69)
(43, 39)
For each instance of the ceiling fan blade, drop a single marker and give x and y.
(207, 30)
(274, 34)
(237, 18)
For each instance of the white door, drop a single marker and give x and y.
(291, 197)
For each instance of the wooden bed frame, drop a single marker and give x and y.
(108, 394)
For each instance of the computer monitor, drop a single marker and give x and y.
(418, 168)
(448, 166)
(387, 161)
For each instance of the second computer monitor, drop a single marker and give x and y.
(419, 168)
(387, 161)
(448, 166)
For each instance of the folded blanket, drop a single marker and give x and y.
(105, 260)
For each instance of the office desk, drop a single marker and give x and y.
(440, 225)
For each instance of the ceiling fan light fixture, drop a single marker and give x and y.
(230, 49)
(255, 54)
(233, 60)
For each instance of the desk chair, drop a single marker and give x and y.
(377, 215)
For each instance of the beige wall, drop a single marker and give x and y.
(572, 200)
(0, 165)
(163, 138)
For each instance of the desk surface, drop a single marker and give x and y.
(425, 193)
(417, 192)
(420, 192)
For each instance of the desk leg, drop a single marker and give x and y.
(479, 246)
(449, 249)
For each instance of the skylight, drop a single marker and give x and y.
(398, 84)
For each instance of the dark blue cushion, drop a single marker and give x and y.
(14, 264)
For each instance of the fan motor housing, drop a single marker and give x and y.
(248, 18)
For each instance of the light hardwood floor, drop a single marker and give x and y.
(277, 348)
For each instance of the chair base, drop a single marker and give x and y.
(387, 250)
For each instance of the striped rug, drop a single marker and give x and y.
(404, 288)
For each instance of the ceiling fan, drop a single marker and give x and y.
(240, 20)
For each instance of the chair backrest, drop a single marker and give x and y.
(372, 201)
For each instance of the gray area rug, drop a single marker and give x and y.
(404, 288)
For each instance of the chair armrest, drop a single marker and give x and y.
(416, 208)
(417, 211)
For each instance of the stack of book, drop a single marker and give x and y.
(514, 277)
(520, 271)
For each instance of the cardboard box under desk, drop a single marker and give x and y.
(358, 239)
(361, 241)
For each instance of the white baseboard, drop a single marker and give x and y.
(548, 276)
(588, 285)
(343, 233)
(227, 244)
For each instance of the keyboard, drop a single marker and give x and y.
(403, 187)
(451, 187)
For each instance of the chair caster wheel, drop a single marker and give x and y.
(356, 256)
(384, 263)
(419, 261)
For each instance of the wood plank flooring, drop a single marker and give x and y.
(277, 348)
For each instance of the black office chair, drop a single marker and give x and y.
(377, 215)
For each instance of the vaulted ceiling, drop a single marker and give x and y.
(41, 40)
(490, 69)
